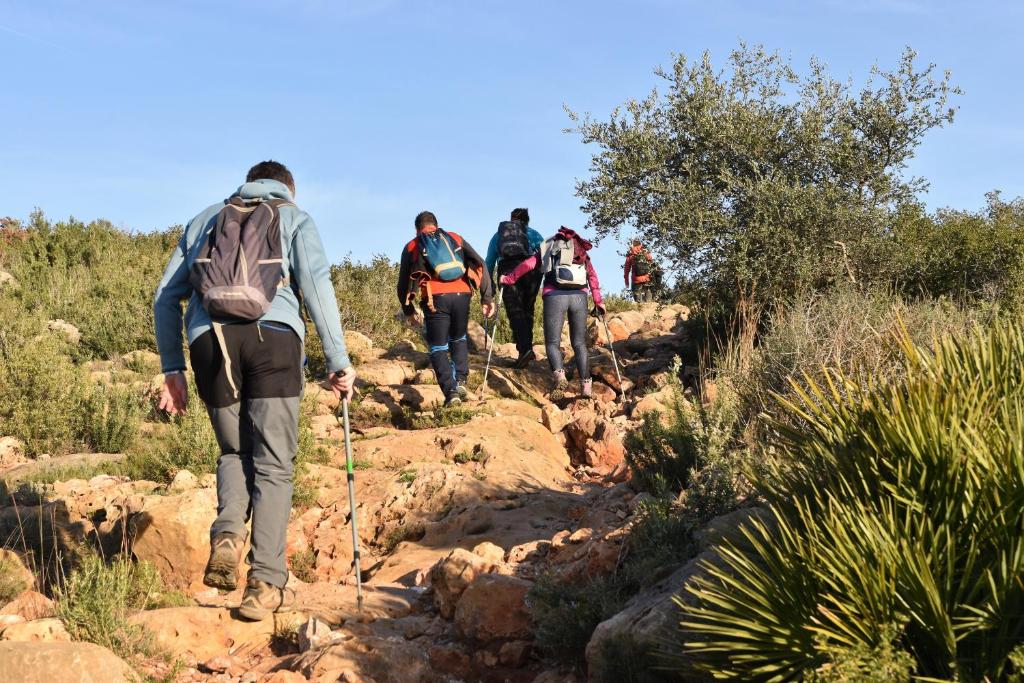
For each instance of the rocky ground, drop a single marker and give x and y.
(455, 522)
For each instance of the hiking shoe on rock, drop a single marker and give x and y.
(587, 387)
(560, 384)
(453, 400)
(225, 554)
(261, 600)
(461, 390)
(524, 360)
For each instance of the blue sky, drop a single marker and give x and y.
(143, 113)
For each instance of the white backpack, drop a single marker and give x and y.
(559, 265)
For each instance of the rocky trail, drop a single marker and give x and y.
(459, 513)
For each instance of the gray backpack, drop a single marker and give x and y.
(240, 267)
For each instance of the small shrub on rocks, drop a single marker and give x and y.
(111, 417)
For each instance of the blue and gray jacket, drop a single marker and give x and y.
(533, 237)
(309, 274)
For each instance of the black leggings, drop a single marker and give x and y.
(445, 332)
(518, 301)
(556, 306)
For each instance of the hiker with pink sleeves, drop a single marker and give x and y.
(569, 277)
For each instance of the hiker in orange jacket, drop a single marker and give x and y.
(444, 300)
(640, 267)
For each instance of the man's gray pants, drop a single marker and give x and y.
(251, 382)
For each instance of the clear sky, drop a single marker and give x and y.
(144, 113)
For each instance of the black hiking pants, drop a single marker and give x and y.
(519, 301)
(252, 397)
(445, 332)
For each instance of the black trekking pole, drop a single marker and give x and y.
(494, 331)
(615, 360)
(350, 473)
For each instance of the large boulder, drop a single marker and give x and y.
(208, 632)
(66, 330)
(43, 662)
(15, 577)
(173, 534)
(30, 605)
(451, 576)
(40, 630)
(370, 658)
(384, 372)
(596, 438)
(493, 607)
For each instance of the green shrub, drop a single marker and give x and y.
(883, 663)
(694, 447)
(894, 503)
(406, 531)
(98, 598)
(855, 331)
(40, 388)
(111, 417)
(438, 418)
(187, 443)
(97, 277)
(566, 611)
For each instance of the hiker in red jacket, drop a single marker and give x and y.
(568, 277)
(640, 267)
(443, 270)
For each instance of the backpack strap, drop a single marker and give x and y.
(218, 332)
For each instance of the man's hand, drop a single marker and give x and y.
(598, 311)
(489, 309)
(343, 382)
(416, 319)
(174, 395)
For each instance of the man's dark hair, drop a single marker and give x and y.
(271, 170)
(425, 218)
(521, 215)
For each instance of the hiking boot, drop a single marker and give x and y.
(524, 360)
(225, 554)
(587, 388)
(461, 390)
(453, 400)
(260, 600)
(560, 384)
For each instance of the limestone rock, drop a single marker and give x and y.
(493, 607)
(45, 662)
(183, 481)
(490, 552)
(30, 605)
(173, 533)
(12, 453)
(40, 630)
(207, 632)
(383, 373)
(15, 573)
(7, 280)
(552, 417)
(451, 576)
(357, 344)
(383, 660)
(66, 330)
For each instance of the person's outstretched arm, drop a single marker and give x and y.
(522, 269)
(313, 275)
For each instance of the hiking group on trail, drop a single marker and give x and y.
(247, 266)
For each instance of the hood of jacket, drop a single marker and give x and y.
(570, 234)
(264, 189)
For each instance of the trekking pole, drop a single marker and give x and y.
(350, 471)
(615, 360)
(494, 330)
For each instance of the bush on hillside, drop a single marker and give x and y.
(111, 418)
(97, 600)
(693, 447)
(41, 388)
(846, 328)
(95, 276)
(900, 519)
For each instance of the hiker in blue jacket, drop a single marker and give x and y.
(249, 375)
(514, 242)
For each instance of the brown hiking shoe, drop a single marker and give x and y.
(261, 600)
(225, 554)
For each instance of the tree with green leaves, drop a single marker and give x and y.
(755, 181)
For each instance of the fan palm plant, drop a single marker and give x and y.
(898, 515)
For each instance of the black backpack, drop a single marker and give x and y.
(241, 265)
(512, 240)
(642, 263)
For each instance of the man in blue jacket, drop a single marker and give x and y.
(513, 243)
(250, 377)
